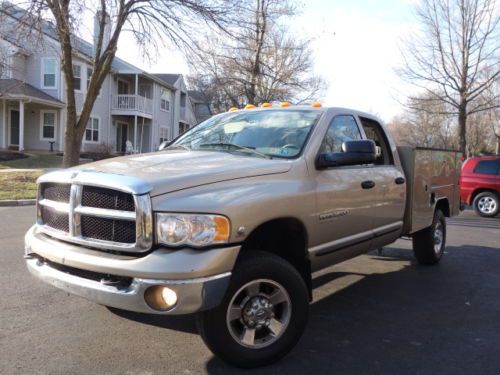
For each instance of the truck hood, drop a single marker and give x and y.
(172, 170)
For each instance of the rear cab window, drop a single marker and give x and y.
(374, 131)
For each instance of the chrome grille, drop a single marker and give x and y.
(108, 229)
(107, 198)
(95, 216)
(55, 219)
(56, 192)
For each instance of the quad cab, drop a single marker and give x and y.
(231, 220)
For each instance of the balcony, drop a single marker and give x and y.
(132, 105)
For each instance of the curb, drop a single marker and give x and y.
(20, 202)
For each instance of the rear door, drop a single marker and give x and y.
(344, 208)
(390, 186)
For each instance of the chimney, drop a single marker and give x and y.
(107, 31)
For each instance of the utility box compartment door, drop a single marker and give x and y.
(431, 175)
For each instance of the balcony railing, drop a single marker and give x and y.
(132, 103)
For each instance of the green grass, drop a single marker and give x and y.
(18, 185)
(34, 162)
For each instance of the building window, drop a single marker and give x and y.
(49, 74)
(164, 103)
(4, 66)
(89, 76)
(48, 125)
(77, 77)
(183, 127)
(163, 135)
(90, 71)
(92, 130)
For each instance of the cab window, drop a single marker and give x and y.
(374, 131)
(342, 128)
(488, 167)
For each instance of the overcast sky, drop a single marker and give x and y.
(355, 46)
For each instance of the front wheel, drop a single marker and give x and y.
(429, 243)
(486, 204)
(263, 314)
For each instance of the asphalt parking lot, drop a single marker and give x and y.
(373, 314)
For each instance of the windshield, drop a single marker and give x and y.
(265, 133)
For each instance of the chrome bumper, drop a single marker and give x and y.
(193, 295)
(203, 291)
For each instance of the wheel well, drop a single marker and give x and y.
(286, 238)
(444, 206)
(479, 191)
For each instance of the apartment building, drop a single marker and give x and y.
(133, 105)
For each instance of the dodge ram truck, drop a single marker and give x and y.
(231, 219)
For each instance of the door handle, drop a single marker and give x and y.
(399, 181)
(367, 184)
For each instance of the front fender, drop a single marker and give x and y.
(246, 202)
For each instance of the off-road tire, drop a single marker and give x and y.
(492, 198)
(424, 241)
(252, 266)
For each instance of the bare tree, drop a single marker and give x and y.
(174, 20)
(455, 58)
(259, 61)
(424, 126)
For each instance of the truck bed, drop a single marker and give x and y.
(431, 175)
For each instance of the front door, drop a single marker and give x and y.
(345, 202)
(14, 127)
(121, 136)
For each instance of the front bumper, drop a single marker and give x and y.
(199, 278)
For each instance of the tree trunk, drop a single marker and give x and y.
(72, 141)
(462, 128)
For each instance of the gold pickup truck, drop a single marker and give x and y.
(230, 220)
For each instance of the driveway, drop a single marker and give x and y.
(374, 314)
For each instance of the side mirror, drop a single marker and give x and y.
(353, 153)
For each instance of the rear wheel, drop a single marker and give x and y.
(429, 243)
(486, 204)
(263, 314)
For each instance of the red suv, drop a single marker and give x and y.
(480, 184)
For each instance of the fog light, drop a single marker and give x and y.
(160, 297)
(169, 296)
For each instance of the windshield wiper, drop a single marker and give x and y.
(172, 147)
(249, 149)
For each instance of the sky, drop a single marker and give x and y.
(356, 46)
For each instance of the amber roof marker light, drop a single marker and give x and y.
(316, 104)
(232, 109)
(250, 106)
(284, 104)
(266, 105)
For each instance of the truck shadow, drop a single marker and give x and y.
(417, 319)
(386, 314)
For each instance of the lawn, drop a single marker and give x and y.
(34, 161)
(18, 185)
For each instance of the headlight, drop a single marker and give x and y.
(191, 229)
